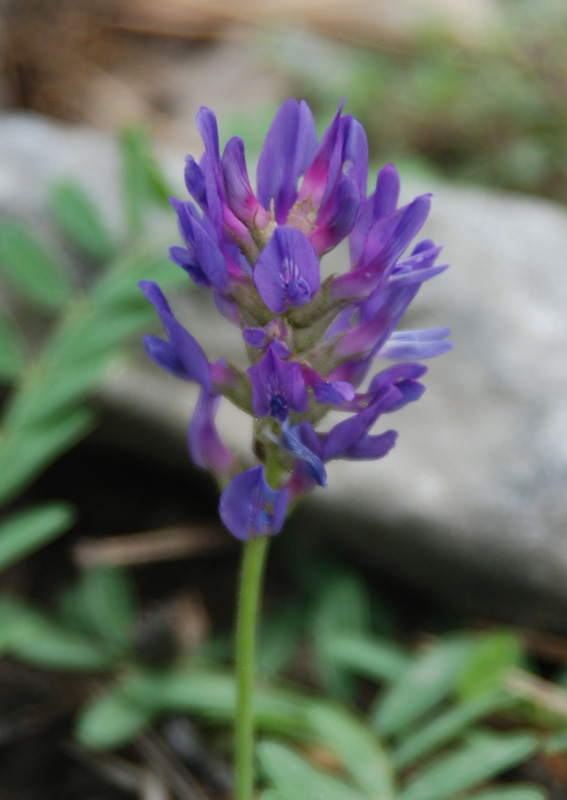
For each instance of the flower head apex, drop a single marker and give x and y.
(310, 342)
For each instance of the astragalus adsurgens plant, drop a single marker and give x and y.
(311, 343)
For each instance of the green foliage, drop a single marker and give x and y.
(25, 531)
(43, 641)
(11, 350)
(429, 679)
(143, 182)
(79, 219)
(45, 413)
(470, 765)
(498, 654)
(488, 109)
(32, 269)
(292, 776)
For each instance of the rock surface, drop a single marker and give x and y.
(471, 504)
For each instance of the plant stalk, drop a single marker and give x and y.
(249, 598)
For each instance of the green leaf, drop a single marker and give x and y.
(212, 694)
(111, 721)
(42, 642)
(24, 454)
(369, 656)
(278, 640)
(32, 269)
(294, 777)
(26, 531)
(356, 746)
(80, 220)
(516, 791)
(429, 679)
(556, 743)
(343, 606)
(15, 622)
(491, 660)
(11, 360)
(105, 600)
(479, 760)
(447, 726)
(142, 180)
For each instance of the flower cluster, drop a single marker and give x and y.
(311, 342)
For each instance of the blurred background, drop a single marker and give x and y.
(113, 564)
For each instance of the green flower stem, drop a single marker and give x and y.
(251, 575)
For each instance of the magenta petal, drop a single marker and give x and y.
(250, 507)
(287, 152)
(337, 216)
(239, 195)
(287, 270)
(317, 176)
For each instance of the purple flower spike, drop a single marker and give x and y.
(277, 387)
(287, 271)
(310, 344)
(249, 507)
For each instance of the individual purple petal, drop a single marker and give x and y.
(303, 478)
(206, 448)
(165, 356)
(183, 258)
(287, 271)
(288, 150)
(292, 441)
(255, 337)
(195, 182)
(402, 376)
(355, 154)
(275, 332)
(343, 436)
(206, 260)
(260, 339)
(386, 195)
(410, 224)
(327, 392)
(381, 203)
(416, 344)
(371, 447)
(380, 315)
(277, 387)
(249, 507)
(228, 309)
(182, 355)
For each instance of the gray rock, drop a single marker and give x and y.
(471, 503)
